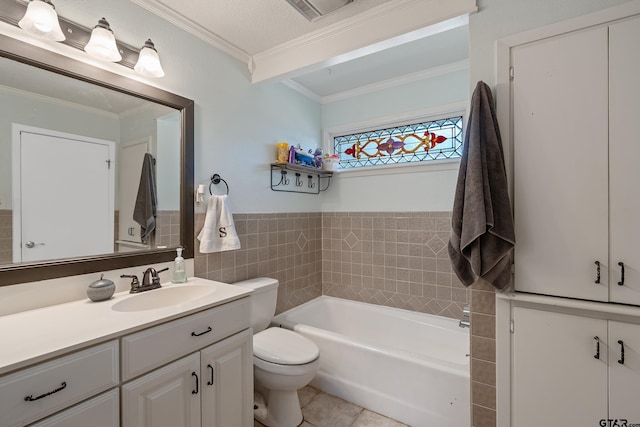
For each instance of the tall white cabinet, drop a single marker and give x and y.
(569, 336)
(575, 131)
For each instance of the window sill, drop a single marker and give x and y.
(431, 166)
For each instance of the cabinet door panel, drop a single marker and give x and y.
(164, 397)
(228, 400)
(554, 369)
(624, 378)
(624, 147)
(560, 165)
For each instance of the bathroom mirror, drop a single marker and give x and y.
(42, 92)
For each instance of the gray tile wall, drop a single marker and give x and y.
(6, 236)
(285, 246)
(167, 228)
(483, 355)
(397, 259)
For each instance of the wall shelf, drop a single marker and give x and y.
(294, 178)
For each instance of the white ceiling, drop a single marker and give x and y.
(249, 29)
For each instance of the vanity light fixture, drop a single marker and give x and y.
(148, 61)
(38, 17)
(41, 20)
(102, 44)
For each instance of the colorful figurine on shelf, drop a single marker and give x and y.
(317, 158)
(303, 158)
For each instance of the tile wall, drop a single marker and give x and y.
(167, 228)
(6, 236)
(397, 259)
(285, 246)
(483, 355)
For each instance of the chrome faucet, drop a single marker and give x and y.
(150, 280)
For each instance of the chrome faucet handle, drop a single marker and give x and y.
(466, 311)
(149, 276)
(135, 283)
(155, 279)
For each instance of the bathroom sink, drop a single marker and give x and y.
(163, 297)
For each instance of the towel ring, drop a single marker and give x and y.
(215, 179)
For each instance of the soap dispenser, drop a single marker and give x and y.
(179, 272)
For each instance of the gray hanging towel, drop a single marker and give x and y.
(482, 234)
(144, 212)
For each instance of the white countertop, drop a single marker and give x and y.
(32, 336)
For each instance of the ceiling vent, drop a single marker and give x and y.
(314, 9)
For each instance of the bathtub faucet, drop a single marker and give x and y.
(465, 322)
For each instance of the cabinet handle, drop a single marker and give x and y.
(597, 355)
(30, 398)
(597, 272)
(210, 382)
(621, 360)
(193, 374)
(193, 334)
(621, 282)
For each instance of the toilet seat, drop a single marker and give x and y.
(284, 347)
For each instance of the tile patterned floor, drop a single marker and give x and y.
(320, 409)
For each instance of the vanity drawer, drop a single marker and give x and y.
(101, 411)
(153, 347)
(40, 390)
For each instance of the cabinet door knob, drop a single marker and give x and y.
(621, 360)
(597, 272)
(193, 374)
(597, 355)
(621, 282)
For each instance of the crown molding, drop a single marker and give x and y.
(191, 27)
(395, 22)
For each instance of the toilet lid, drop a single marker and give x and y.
(284, 347)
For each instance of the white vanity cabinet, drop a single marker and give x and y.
(573, 370)
(35, 392)
(211, 386)
(576, 148)
(227, 374)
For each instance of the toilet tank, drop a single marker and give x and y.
(263, 300)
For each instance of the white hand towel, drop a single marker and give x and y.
(219, 232)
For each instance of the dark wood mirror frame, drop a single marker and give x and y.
(47, 60)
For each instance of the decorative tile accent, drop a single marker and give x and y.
(351, 240)
(302, 241)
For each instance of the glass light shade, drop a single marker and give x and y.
(102, 44)
(41, 20)
(148, 61)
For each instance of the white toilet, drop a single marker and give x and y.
(283, 361)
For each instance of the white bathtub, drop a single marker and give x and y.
(409, 366)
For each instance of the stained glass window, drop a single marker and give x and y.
(417, 142)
